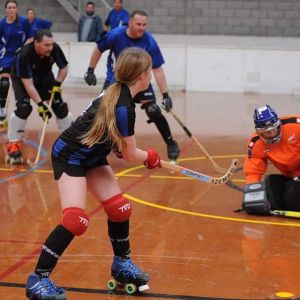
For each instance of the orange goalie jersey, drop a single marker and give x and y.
(285, 155)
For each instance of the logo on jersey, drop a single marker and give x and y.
(291, 138)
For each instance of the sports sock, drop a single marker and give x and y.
(56, 243)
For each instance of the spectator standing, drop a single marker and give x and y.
(36, 23)
(90, 24)
(14, 31)
(117, 17)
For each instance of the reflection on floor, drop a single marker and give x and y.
(184, 233)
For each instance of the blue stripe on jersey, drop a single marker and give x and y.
(78, 156)
(122, 120)
(58, 146)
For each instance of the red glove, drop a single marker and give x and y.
(153, 160)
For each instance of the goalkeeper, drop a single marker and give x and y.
(33, 79)
(276, 140)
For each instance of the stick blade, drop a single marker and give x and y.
(32, 165)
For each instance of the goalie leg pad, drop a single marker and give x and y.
(275, 185)
(255, 200)
(291, 195)
(75, 220)
(117, 208)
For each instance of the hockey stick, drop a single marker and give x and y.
(37, 158)
(285, 213)
(189, 134)
(199, 176)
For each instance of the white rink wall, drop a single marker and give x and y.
(211, 63)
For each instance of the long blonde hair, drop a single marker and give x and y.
(131, 63)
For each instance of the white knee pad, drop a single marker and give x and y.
(16, 128)
(65, 122)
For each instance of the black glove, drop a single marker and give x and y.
(167, 102)
(44, 111)
(56, 90)
(103, 33)
(90, 77)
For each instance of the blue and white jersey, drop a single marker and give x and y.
(117, 40)
(117, 18)
(12, 37)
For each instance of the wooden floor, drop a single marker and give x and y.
(184, 233)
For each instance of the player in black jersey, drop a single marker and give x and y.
(32, 78)
(79, 158)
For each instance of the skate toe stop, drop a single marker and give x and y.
(143, 288)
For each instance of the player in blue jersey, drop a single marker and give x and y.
(14, 31)
(36, 23)
(33, 79)
(79, 159)
(117, 17)
(135, 35)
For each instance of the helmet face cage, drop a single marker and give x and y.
(266, 120)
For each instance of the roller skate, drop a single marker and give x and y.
(127, 275)
(38, 288)
(13, 154)
(3, 121)
(173, 152)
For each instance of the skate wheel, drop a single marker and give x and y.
(130, 288)
(112, 284)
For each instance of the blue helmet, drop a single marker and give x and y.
(266, 120)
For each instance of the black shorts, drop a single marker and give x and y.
(43, 86)
(72, 170)
(145, 95)
(5, 70)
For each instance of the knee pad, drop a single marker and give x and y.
(75, 220)
(60, 108)
(117, 208)
(275, 185)
(153, 111)
(23, 109)
(4, 87)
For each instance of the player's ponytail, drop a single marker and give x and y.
(131, 63)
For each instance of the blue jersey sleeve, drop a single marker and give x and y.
(38, 23)
(125, 117)
(153, 49)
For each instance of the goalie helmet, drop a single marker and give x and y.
(267, 124)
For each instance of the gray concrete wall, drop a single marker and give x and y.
(222, 17)
(205, 17)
